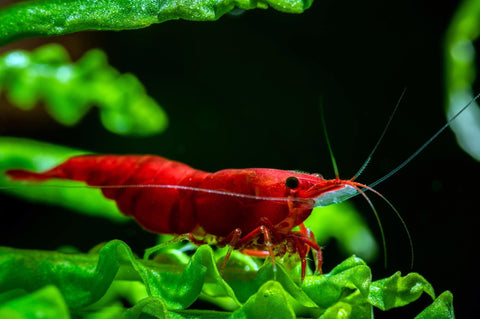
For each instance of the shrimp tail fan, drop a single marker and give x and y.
(23, 175)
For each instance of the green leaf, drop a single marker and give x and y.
(57, 17)
(38, 156)
(397, 291)
(151, 306)
(198, 314)
(84, 278)
(352, 306)
(441, 308)
(93, 284)
(109, 312)
(45, 303)
(69, 89)
(346, 278)
(182, 289)
(120, 291)
(269, 302)
(75, 275)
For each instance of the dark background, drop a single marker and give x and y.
(244, 92)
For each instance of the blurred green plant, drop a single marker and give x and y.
(344, 223)
(460, 74)
(57, 17)
(93, 284)
(70, 89)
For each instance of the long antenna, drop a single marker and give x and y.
(361, 188)
(165, 186)
(369, 158)
(424, 145)
(330, 151)
(382, 233)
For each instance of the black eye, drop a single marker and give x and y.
(291, 182)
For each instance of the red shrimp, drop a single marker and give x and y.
(253, 210)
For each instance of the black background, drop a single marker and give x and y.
(244, 92)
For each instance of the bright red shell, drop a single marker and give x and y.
(181, 204)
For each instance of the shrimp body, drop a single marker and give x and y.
(252, 209)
